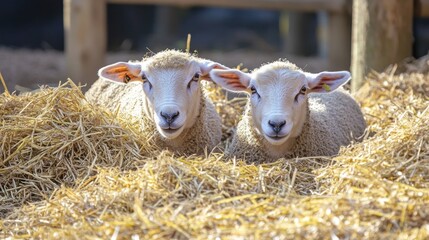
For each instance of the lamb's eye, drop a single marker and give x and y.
(145, 81)
(195, 78)
(302, 91)
(253, 89)
(254, 92)
(127, 78)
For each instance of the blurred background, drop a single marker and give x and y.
(32, 37)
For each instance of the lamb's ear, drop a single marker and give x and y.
(233, 79)
(327, 81)
(121, 72)
(206, 66)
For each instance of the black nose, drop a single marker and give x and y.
(170, 117)
(277, 126)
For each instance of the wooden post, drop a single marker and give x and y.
(381, 35)
(85, 38)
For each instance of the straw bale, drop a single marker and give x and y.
(378, 188)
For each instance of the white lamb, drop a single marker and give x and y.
(291, 113)
(164, 90)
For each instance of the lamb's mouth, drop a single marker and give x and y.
(171, 130)
(276, 137)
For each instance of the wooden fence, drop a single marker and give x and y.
(86, 38)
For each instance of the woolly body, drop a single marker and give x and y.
(291, 113)
(129, 99)
(329, 125)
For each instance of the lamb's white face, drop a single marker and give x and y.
(173, 95)
(278, 96)
(171, 82)
(279, 103)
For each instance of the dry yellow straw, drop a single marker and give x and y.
(67, 164)
(188, 43)
(4, 84)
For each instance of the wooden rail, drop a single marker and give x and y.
(295, 5)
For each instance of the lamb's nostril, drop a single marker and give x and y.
(163, 115)
(276, 126)
(175, 115)
(169, 117)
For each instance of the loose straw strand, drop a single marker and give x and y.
(188, 43)
(4, 84)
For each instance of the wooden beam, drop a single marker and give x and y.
(422, 8)
(295, 5)
(382, 35)
(85, 38)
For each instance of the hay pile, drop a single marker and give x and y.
(55, 137)
(113, 185)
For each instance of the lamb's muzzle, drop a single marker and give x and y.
(169, 117)
(276, 126)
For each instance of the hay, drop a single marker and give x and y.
(375, 189)
(397, 110)
(230, 109)
(53, 138)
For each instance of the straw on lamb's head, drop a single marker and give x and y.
(171, 87)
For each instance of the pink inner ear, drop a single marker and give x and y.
(233, 80)
(117, 70)
(217, 66)
(327, 79)
(229, 75)
(122, 74)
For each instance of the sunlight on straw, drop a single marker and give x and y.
(188, 43)
(4, 84)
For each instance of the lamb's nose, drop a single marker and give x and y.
(277, 125)
(170, 117)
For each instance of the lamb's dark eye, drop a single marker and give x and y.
(253, 89)
(145, 81)
(195, 78)
(302, 91)
(126, 78)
